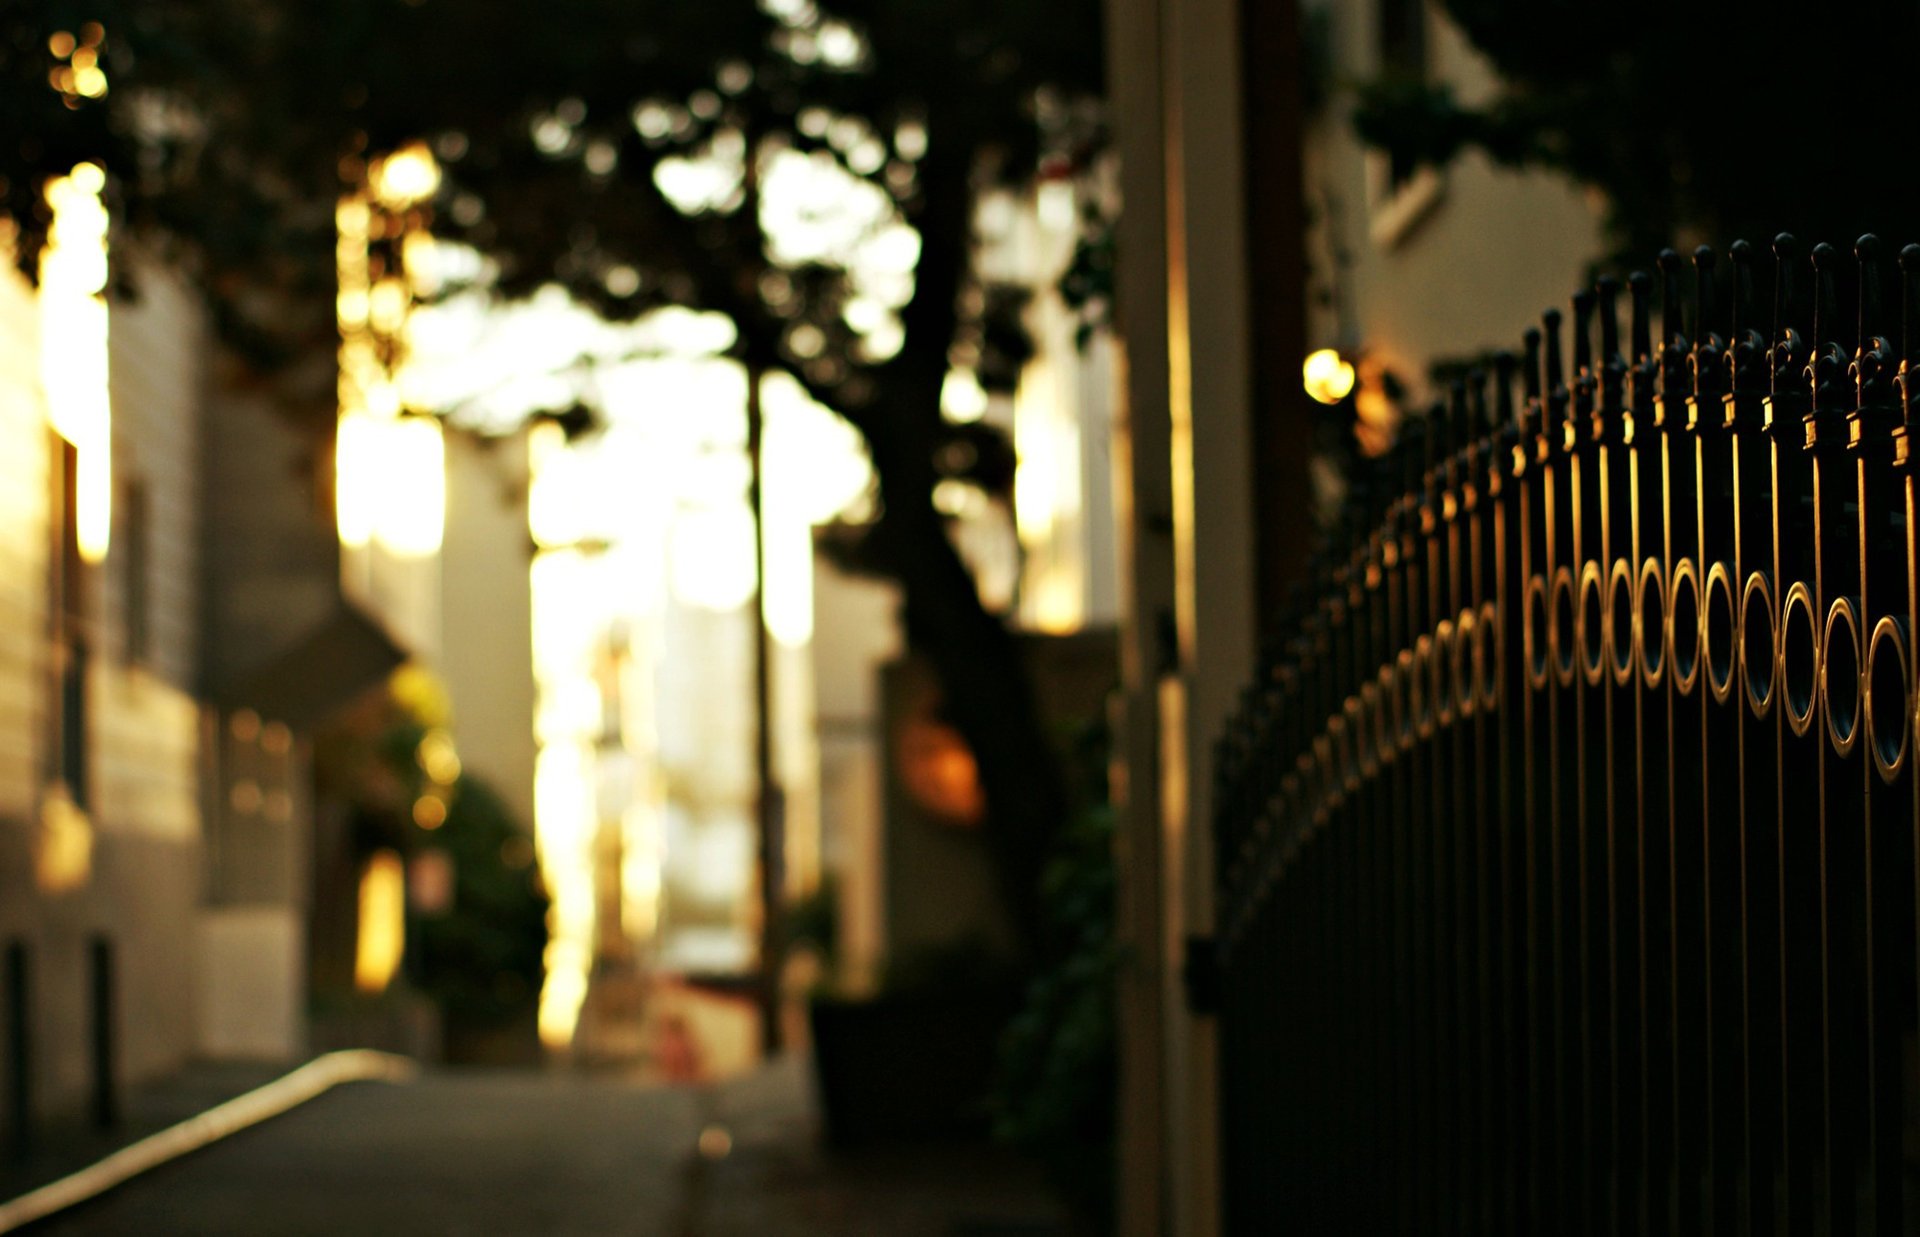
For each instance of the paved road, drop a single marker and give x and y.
(449, 1154)
(512, 1154)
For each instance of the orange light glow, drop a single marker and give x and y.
(940, 772)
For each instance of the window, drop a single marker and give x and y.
(136, 577)
(68, 615)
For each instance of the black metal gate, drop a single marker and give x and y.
(1567, 849)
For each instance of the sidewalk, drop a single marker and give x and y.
(775, 1179)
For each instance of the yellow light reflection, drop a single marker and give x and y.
(73, 344)
(390, 483)
(415, 498)
(355, 461)
(564, 820)
(383, 922)
(63, 850)
(1327, 376)
(408, 175)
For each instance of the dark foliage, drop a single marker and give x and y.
(1695, 117)
(232, 126)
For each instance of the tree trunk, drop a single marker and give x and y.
(986, 688)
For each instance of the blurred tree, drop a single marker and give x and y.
(1717, 120)
(567, 132)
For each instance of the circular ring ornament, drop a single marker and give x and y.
(1720, 632)
(1889, 740)
(1650, 622)
(1759, 666)
(1419, 679)
(1534, 633)
(1683, 625)
(1564, 636)
(1464, 650)
(1840, 676)
(1591, 623)
(1799, 679)
(1439, 662)
(1486, 655)
(1622, 627)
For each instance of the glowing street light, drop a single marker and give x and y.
(408, 175)
(1327, 376)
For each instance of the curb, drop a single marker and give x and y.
(310, 1081)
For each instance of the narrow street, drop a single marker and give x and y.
(551, 1153)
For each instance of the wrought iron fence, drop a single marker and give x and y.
(1566, 848)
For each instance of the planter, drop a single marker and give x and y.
(907, 1067)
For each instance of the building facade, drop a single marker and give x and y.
(100, 730)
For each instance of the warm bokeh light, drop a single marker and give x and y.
(1327, 375)
(414, 497)
(940, 772)
(73, 344)
(63, 848)
(390, 483)
(356, 462)
(438, 758)
(563, 808)
(382, 939)
(408, 175)
(429, 812)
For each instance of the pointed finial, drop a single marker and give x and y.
(1742, 255)
(1613, 367)
(1556, 379)
(1866, 252)
(1672, 330)
(1828, 365)
(1640, 325)
(1607, 292)
(1504, 363)
(1705, 360)
(1412, 447)
(1746, 347)
(1673, 353)
(1826, 300)
(1874, 363)
(1789, 314)
(1583, 376)
(1706, 311)
(1479, 422)
(1909, 380)
(1910, 307)
(1531, 388)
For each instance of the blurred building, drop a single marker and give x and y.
(1409, 265)
(179, 619)
(102, 733)
(898, 790)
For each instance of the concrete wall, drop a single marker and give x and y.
(486, 643)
